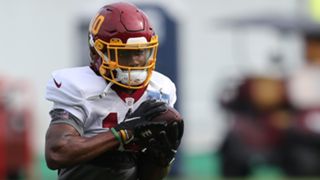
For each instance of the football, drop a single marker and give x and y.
(175, 126)
(170, 115)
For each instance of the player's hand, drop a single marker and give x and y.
(143, 114)
(163, 147)
(148, 110)
(138, 127)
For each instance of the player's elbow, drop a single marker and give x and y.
(54, 161)
(52, 165)
(56, 158)
(56, 154)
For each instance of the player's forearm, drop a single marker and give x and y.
(68, 149)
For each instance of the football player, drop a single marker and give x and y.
(101, 121)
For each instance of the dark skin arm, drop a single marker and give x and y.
(65, 147)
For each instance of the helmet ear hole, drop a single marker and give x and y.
(93, 54)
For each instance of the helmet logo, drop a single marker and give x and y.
(95, 27)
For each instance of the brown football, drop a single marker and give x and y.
(169, 116)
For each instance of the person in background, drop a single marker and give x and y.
(302, 144)
(102, 116)
(258, 115)
(275, 122)
(16, 119)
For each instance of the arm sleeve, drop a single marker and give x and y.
(62, 116)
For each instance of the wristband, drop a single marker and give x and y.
(116, 135)
(123, 135)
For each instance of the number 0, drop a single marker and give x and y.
(96, 25)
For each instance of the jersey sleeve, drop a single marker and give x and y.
(63, 93)
(163, 88)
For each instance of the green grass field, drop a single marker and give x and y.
(195, 167)
(200, 167)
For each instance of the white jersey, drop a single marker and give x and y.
(99, 107)
(82, 93)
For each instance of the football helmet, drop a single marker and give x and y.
(123, 45)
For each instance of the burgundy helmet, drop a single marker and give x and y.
(119, 34)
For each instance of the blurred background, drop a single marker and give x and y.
(247, 73)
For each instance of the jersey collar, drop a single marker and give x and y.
(136, 95)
